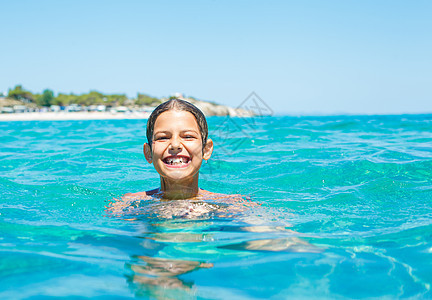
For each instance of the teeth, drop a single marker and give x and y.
(176, 161)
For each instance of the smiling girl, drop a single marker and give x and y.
(178, 142)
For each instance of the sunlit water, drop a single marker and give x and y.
(345, 212)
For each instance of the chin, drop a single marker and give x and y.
(178, 175)
(178, 172)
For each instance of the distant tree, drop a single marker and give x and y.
(92, 98)
(18, 93)
(116, 99)
(46, 99)
(143, 99)
(65, 99)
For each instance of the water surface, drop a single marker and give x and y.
(345, 212)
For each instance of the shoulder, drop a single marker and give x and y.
(140, 195)
(236, 199)
(125, 202)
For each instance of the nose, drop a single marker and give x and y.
(175, 145)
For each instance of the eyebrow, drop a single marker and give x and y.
(183, 131)
(161, 131)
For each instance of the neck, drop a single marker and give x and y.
(185, 189)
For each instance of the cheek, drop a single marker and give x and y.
(158, 150)
(196, 149)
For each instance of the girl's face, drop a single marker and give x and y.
(177, 150)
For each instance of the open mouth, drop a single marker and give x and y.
(176, 161)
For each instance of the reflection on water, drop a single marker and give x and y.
(189, 236)
(155, 275)
(160, 277)
(291, 244)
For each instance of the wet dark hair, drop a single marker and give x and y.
(179, 105)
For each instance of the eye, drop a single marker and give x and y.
(161, 138)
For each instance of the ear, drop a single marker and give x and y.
(147, 153)
(208, 149)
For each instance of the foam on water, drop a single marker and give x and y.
(345, 212)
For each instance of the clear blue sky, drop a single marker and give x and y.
(303, 57)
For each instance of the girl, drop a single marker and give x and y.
(178, 142)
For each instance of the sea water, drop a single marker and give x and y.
(344, 212)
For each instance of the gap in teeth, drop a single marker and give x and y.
(177, 161)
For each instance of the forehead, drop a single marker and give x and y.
(176, 120)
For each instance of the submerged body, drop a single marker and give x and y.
(204, 204)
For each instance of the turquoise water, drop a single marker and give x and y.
(345, 212)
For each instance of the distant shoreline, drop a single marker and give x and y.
(72, 116)
(85, 115)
